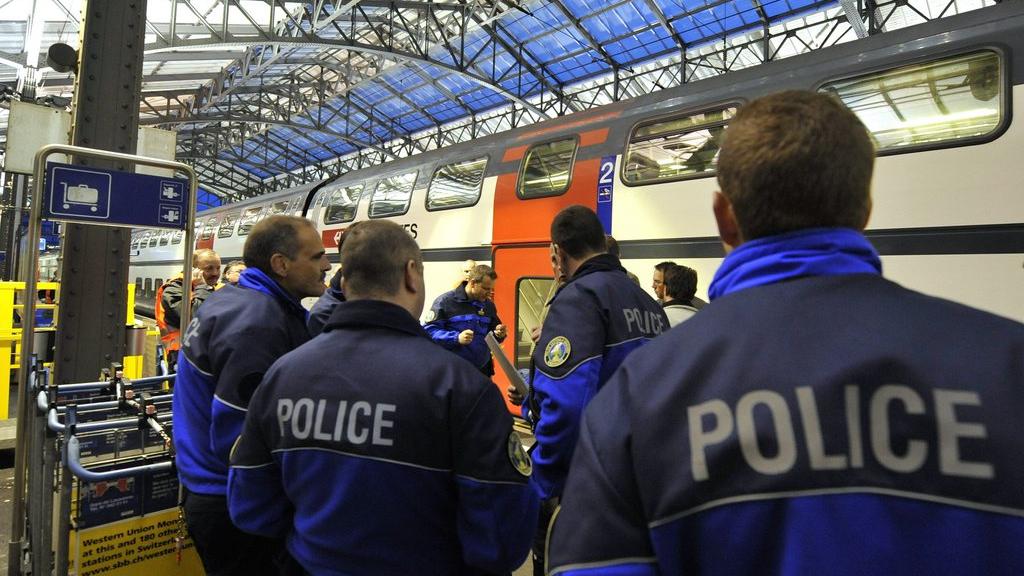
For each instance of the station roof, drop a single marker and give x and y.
(265, 93)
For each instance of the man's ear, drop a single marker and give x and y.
(557, 257)
(413, 274)
(279, 264)
(725, 217)
(867, 214)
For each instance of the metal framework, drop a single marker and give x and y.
(296, 92)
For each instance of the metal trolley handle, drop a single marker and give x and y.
(74, 461)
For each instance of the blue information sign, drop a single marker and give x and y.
(605, 184)
(98, 196)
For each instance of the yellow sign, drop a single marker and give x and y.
(139, 545)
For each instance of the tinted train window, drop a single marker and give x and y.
(227, 226)
(456, 185)
(391, 198)
(547, 169)
(207, 233)
(165, 238)
(676, 148)
(946, 100)
(531, 295)
(138, 288)
(341, 207)
(249, 219)
(149, 288)
(177, 236)
(154, 237)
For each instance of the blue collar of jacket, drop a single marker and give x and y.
(256, 279)
(374, 314)
(460, 292)
(813, 252)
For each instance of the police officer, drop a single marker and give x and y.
(232, 341)
(815, 418)
(596, 319)
(394, 458)
(460, 319)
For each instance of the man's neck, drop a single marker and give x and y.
(575, 264)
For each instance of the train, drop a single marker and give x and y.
(938, 98)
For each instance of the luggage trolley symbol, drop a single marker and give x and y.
(81, 195)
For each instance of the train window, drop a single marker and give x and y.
(296, 205)
(177, 236)
(165, 238)
(950, 100)
(207, 233)
(249, 219)
(149, 288)
(547, 169)
(138, 288)
(531, 295)
(278, 208)
(391, 198)
(227, 225)
(154, 237)
(342, 204)
(456, 185)
(675, 148)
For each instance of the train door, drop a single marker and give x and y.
(523, 287)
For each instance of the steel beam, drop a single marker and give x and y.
(95, 268)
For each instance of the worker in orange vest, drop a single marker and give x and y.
(205, 275)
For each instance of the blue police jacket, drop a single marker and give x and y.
(395, 458)
(228, 346)
(595, 320)
(836, 425)
(453, 312)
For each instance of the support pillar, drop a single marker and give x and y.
(94, 273)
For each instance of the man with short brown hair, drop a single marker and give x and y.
(228, 346)
(815, 418)
(408, 463)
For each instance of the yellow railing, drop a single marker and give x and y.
(10, 332)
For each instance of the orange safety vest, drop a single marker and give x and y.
(171, 337)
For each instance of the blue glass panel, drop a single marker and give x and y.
(557, 44)
(453, 82)
(615, 22)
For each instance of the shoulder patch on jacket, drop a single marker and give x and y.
(518, 456)
(557, 351)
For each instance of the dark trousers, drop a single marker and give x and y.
(172, 361)
(540, 539)
(224, 549)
